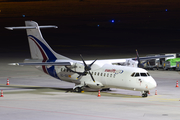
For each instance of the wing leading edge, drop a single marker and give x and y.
(44, 63)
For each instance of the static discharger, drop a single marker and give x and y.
(7, 82)
(177, 84)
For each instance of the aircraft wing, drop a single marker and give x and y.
(153, 57)
(44, 63)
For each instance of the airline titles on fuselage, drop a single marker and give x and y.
(114, 71)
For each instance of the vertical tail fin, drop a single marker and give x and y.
(39, 48)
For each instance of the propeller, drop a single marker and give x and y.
(87, 69)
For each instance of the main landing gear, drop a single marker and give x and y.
(78, 89)
(145, 93)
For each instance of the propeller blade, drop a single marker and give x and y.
(139, 62)
(79, 76)
(74, 71)
(86, 67)
(138, 57)
(92, 62)
(91, 76)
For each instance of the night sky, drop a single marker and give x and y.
(95, 26)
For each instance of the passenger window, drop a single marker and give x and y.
(111, 75)
(107, 74)
(104, 74)
(114, 75)
(148, 74)
(98, 74)
(132, 74)
(137, 75)
(101, 74)
(61, 69)
(143, 74)
(95, 73)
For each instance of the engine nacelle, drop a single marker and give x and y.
(94, 85)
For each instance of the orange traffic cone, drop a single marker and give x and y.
(7, 82)
(99, 95)
(156, 92)
(177, 84)
(149, 92)
(2, 93)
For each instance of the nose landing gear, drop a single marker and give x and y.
(145, 93)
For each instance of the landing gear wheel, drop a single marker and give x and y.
(145, 94)
(78, 89)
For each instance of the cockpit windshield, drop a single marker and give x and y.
(143, 74)
(136, 74)
(148, 74)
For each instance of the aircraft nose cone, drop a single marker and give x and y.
(153, 83)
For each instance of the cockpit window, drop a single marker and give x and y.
(137, 75)
(143, 74)
(132, 74)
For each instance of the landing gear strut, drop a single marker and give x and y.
(78, 89)
(145, 93)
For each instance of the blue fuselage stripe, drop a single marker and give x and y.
(51, 57)
(48, 52)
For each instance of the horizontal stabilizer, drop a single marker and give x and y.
(44, 63)
(31, 27)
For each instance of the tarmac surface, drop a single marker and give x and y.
(85, 28)
(35, 95)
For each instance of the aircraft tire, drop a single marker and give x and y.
(145, 94)
(78, 89)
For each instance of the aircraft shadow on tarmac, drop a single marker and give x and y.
(43, 90)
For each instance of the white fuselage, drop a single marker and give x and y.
(106, 76)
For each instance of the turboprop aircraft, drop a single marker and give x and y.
(95, 74)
